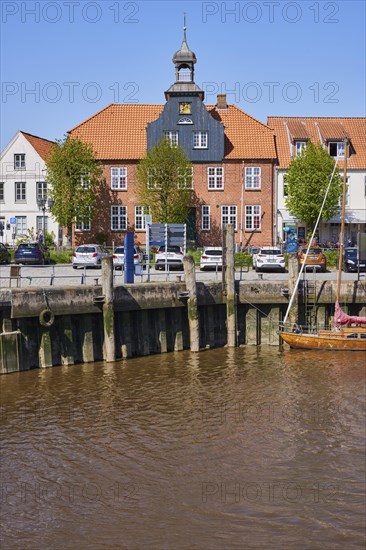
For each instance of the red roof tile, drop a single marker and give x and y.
(321, 129)
(119, 132)
(41, 145)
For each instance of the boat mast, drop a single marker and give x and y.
(341, 236)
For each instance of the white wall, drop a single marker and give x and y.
(34, 172)
(357, 202)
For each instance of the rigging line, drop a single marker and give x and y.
(255, 307)
(309, 245)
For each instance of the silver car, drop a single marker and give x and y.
(211, 258)
(270, 258)
(119, 257)
(89, 255)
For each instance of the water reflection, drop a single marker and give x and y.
(232, 448)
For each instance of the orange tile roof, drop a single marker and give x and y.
(321, 129)
(119, 132)
(246, 137)
(41, 145)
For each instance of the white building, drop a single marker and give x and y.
(292, 134)
(23, 185)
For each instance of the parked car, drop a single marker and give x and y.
(211, 258)
(119, 257)
(5, 256)
(172, 256)
(254, 252)
(32, 253)
(270, 258)
(351, 262)
(89, 255)
(316, 259)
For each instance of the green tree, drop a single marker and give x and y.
(73, 174)
(307, 180)
(165, 183)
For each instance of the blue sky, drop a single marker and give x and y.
(63, 60)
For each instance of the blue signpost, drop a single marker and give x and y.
(129, 268)
(291, 240)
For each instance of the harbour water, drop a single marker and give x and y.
(241, 448)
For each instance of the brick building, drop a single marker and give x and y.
(233, 157)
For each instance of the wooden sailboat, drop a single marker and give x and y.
(349, 332)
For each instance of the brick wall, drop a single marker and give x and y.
(230, 195)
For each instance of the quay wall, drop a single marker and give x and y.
(42, 327)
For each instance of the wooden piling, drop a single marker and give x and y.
(87, 340)
(193, 314)
(109, 349)
(229, 283)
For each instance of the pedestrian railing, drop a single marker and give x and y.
(62, 275)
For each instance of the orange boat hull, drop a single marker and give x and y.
(351, 339)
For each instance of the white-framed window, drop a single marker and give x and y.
(119, 178)
(21, 225)
(336, 149)
(200, 140)
(39, 223)
(2, 191)
(20, 191)
(252, 217)
(299, 147)
(205, 217)
(229, 215)
(84, 181)
(118, 218)
(253, 177)
(140, 213)
(215, 177)
(84, 225)
(186, 179)
(285, 189)
(155, 177)
(19, 161)
(41, 189)
(172, 136)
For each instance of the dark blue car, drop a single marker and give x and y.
(32, 253)
(351, 261)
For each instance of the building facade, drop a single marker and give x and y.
(292, 134)
(24, 210)
(233, 157)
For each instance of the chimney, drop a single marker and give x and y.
(221, 101)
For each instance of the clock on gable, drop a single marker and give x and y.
(184, 108)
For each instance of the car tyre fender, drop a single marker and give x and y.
(46, 318)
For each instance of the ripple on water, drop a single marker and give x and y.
(238, 447)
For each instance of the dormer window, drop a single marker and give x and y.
(172, 137)
(336, 149)
(300, 146)
(200, 140)
(19, 161)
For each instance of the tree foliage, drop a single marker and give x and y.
(307, 180)
(73, 174)
(164, 183)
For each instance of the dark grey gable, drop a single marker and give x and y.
(197, 120)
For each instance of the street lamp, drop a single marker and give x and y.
(43, 203)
